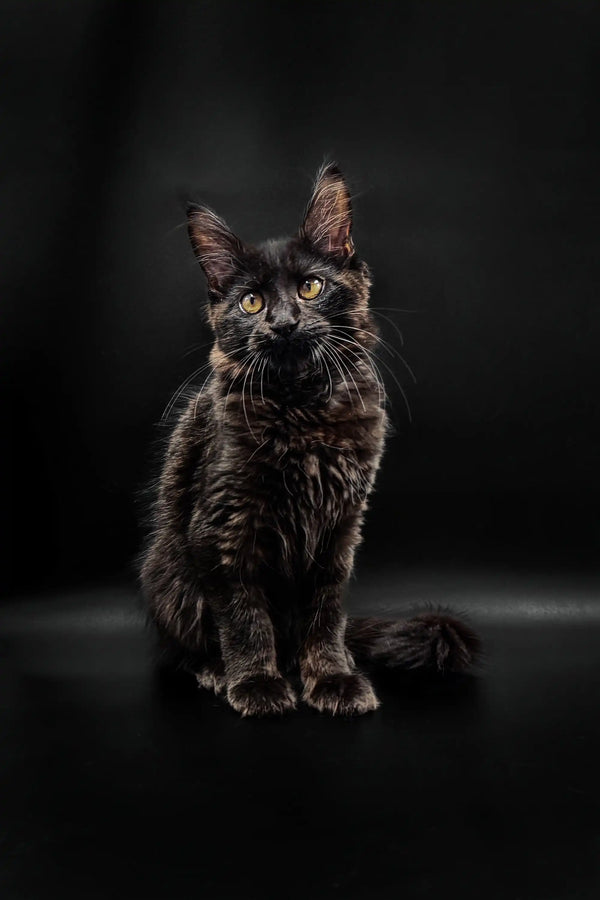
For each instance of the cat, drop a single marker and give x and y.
(267, 473)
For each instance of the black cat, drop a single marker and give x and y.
(267, 475)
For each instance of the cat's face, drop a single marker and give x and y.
(286, 303)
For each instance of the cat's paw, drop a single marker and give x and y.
(341, 695)
(262, 696)
(212, 678)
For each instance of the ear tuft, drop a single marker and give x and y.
(328, 219)
(217, 249)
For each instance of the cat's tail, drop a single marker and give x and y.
(435, 640)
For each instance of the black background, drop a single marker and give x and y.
(469, 135)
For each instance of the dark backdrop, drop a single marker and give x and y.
(469, 134)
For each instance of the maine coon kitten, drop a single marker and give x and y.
(267, 474)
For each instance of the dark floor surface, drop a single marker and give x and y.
(120, 782)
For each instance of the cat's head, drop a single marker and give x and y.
(287, 301)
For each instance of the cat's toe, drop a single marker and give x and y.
(342, 695)
(262, 696)
(211, 679)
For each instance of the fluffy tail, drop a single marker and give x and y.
(434, 641)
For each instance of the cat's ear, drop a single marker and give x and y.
(217, 248)
(328, 219)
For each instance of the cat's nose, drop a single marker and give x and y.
(284, 329)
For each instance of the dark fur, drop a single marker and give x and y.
(266, 479)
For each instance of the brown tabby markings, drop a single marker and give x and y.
(266, 479)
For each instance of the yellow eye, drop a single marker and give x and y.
(251, 302)
(310, 288)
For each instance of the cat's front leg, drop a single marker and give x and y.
(255, 686)
(331, 682)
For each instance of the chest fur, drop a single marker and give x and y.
(308, 473)
(278, 485)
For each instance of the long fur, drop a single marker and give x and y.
(435, 641)
(266, 478)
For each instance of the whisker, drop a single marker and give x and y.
(384, 344)
(341, 361)
(195, 348)
(262, 374)
(387, 346)
(365, 356)
(238, 369)
(248, 371)
(400, 388)
(254, 452)
(199, 394)
(180, 390)
(327, 349)
(392, 323)
(322, 359)
(252, 370)
(396, 309)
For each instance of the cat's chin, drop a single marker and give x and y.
(292, 362)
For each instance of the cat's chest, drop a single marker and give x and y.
(320, 466)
